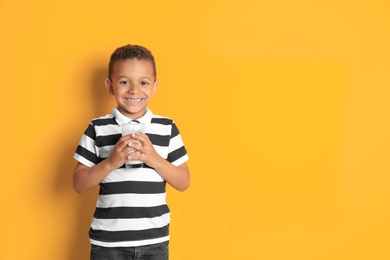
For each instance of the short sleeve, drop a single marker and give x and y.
(177, 151)
(86, 152)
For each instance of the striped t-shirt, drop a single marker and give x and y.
(131, 209)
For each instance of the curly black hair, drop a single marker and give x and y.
(131, 52)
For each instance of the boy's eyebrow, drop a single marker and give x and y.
(145, 77)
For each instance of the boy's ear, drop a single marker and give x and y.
(155, 85)
(109, 87)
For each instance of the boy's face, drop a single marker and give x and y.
(133, 85)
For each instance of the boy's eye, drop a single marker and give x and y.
(144, 83)
(124, 82)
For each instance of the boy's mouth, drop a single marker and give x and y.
(133, 100)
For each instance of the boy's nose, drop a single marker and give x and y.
(133, 88)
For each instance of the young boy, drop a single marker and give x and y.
(132, 218)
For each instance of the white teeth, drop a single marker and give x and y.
(133, 100)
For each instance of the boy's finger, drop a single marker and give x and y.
(135, 145)
(143, 138)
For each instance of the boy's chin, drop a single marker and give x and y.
(133, 113)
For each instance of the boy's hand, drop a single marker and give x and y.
(121, 152)
(144, 150)
(177, 176)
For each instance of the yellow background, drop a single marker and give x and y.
(283, 107)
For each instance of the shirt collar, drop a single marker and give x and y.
(122, 119)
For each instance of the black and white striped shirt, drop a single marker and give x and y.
(131, 209)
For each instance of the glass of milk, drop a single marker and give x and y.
(131, 128)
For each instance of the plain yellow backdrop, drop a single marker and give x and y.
(283, 107)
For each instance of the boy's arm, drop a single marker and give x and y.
(86, 178)
(177, 176)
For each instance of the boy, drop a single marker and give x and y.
(132, 218)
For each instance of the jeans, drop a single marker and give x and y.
(150, 252)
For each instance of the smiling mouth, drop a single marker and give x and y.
(133, 100)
